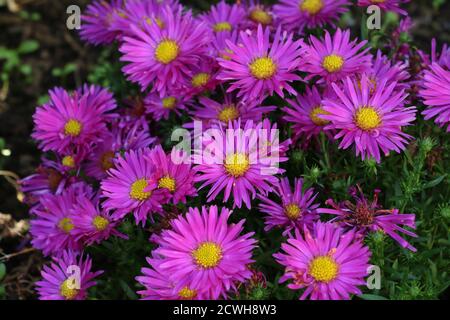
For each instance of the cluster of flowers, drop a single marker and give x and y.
(102, 163)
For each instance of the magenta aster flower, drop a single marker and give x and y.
(69, 121)
(300, 14)
(202, 77)
(177, 178)
(336, 57)
(164, 57)
(97, 20)
(365, 216)
(328, 262)
(436, 95)
(241, 166)
(443, 57)
(161, 107)
(130, 187)
(204, 252)
(372, 122)
(386, 5)
(260, 66)
(60, 278)
(224, 18)
(259, 14)
(294, 209)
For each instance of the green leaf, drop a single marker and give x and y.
(28, 46)
(372, 297)
(2, 270)
(434, 182)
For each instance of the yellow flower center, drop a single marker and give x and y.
(333, 63)
(311, 6)
(378, 1)
(367, 118)
(100, 223)
(207, 255)
(167, 182)
(68, 290)
(292, 211)
(222, 26)
(260, 16)
(169, 102)
(228, 113)
(137, 190)
(200, 79)
(263, 68)
(314, 115)
(226, 54)
(68, 161)
(167, 51)
(106, 160)
(187, 294)
(237, 164)
(158, 22)
(65, 224)
(72, 128)
(323, 269)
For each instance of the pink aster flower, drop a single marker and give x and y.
(224, 18)
(69, 121)
(327, 262)
(66, 278)
(176, 177)
(366, 216)
(386, 5)
(97, 20)
(301, 14)
(162, 107)
(294, 209)
(52, 229)
(204, 252)
(202, 78)
(436, 95)
(260, 66)
(336, 57)
(243, 163)
(370, 121)
(259, 14)
(164, 57)
(131, 188)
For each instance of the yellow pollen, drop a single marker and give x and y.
(333, 63)
(378, 1)
(72, 128)
(263, 68)
(68, 161)
(260, 16)
(292, 211)
(106, 160)
(323, 269)
(200, 80)
(226, 55)
(237, 164)
(158, 22)
(187, 294)
(222, 26)
(137, 190)
(167, 51)
(367, 118)
(315, 112)
(67, 289)
(167, 182)
(100, 223)
(311, 6)
(169, 102)
(228, 113)
(207, 255)
(65, 224)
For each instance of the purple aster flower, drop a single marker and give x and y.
(370, 121)
(202, 77)
(161, 107)
(243, 162)
(260, 67)
(52, 229)
(300, 14)
(436, 95)
(259, 14)
(130, 187)
(66, 278)
(204, 252)
(219, 47)
(335, 58)
(327, 262)
(294, 209)
(442, 58)
(97, 20)
(386, 5)
(366, 216)
(164, 57)
(69, 121)
(224, 18)
(175, 177)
